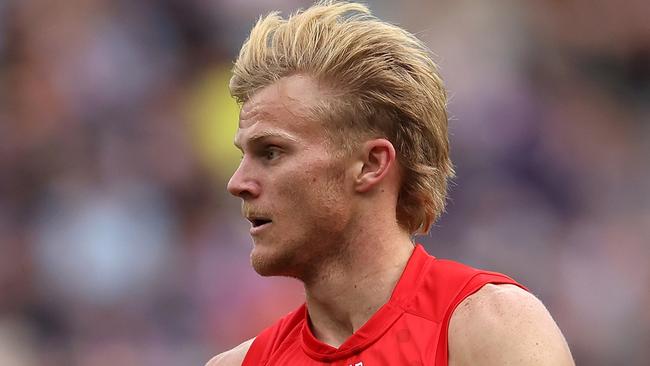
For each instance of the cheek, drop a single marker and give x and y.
(322, 198)
(314, 191)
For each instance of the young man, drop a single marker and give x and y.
(343, 130)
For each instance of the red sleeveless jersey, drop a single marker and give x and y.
(409, 330)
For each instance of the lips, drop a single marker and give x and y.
(258, 223)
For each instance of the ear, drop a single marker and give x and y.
(377, 160)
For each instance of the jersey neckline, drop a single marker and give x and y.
(378, 323)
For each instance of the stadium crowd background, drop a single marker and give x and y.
(120, 246)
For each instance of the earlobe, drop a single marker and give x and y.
(378, 158)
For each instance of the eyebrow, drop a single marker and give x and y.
(264, 135)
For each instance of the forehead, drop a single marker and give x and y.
(284, 106)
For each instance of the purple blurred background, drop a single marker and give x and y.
(120, 246)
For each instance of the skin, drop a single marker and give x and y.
(345, 244)
(505, 325)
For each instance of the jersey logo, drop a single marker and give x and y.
(357, 364)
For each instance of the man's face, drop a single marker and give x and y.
(293, 188)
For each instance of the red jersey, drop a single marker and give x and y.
(410, 329)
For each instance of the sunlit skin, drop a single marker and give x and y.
(330, 220)
(289, 177)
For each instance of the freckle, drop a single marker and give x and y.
(313, 180)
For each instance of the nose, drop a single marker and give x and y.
(242, 184)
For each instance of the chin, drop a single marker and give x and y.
(272, 262)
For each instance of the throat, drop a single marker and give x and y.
(332, 335)
(335, 314)
(344, 295)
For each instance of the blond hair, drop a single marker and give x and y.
(385, 82)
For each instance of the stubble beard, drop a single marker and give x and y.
(277, 263)
(301, 259)
(305, 256)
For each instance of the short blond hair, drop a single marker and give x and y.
(385, 85)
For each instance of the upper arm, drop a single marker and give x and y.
(233, 357)
(505, 325)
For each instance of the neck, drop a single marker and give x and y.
(345, 294)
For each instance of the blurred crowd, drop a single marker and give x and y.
(120, 246)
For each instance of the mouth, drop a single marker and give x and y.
(258, 224)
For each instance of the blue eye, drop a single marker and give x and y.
(271, 153)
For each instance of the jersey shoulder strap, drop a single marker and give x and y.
(259, 348)
(474, 283)
(271, 338)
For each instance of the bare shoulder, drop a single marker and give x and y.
(504, 325)
(233, 357)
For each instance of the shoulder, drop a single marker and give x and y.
(269, 338)
(504, 324)
(233, 357)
